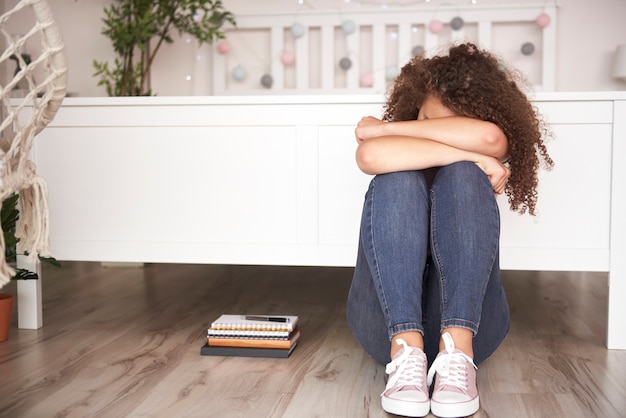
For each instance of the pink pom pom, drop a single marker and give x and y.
(367, 80)
(543, 20)
(435, 26)
(287, 58)
(223, 47)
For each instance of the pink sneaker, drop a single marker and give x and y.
(455, 393)
(406, 392)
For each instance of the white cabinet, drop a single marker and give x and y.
(272, 180)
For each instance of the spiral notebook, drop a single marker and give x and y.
(244, 333)
(285, 343)
(258, 324)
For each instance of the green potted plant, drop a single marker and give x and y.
(9, 216)
(137, 30)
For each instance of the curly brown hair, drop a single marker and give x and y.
(474, 83)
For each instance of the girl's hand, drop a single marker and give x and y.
(367, 128)
(497, 172)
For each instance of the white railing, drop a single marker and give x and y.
(377, 43)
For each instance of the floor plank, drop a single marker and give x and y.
(125, 342)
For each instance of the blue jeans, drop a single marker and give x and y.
(428, 259)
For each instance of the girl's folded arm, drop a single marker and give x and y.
(457, 131)
(400, 153)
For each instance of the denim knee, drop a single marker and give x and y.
(464, 177)
(463, 170)
(402, 180)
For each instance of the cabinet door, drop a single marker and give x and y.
(571, 231)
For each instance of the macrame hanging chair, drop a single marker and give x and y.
(39, 79)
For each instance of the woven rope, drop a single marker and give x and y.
(42, 82)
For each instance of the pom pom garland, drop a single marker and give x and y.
(298, 30)
(239, 73)
(528, 48)
(543, 20)
(223, 47)
(267, 81)
(457, 23)
(417, 50)
(287, 58)
(367, 80)
(435, 26)
(348, 27)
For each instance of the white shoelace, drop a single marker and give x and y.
(451, 367)
(409, 370)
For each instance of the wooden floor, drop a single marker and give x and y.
(125, 342)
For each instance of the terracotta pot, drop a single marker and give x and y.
(6, 307)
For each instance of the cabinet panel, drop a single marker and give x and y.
(342, 186)
(572, 227)
(221, 184)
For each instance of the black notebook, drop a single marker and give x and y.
(208, 350)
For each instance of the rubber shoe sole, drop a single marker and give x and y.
(406, 408)
(453, 410)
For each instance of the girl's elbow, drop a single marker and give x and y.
(366, 159)
(496, 141)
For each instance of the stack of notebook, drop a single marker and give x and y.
(252, 336)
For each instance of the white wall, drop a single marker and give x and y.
(587, 35)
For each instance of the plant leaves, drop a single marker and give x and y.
(137, 29)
